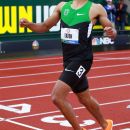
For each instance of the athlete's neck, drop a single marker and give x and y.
(78, 3)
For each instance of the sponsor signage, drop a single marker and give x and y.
(11, 11)
(102, 41)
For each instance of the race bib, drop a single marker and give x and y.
(70, 36)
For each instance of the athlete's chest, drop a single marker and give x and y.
(73, 17)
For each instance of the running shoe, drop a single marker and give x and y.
(110, 125)
(84, 129)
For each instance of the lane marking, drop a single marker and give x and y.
(126, 129)
(52, 82)
(59, 57)
(48, 95)
(110, 66)
(34, 66)
(17, 99)
(2, 119)
(31, 60)
(47, 65)
(17, 108)
(25, 75)
(76, 108)
(20, 124)
(128, 107)
(109, 87)
(59, 64)
(119, 124)
(109, 75)
(24, 125)
(31, 84)
(110, 58)
(113, 53)
(54, 72)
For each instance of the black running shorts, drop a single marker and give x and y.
(74, 74)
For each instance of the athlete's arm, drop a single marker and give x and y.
(47, 24)
(105, 22)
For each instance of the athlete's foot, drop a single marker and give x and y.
(84, 129)
(109, 125)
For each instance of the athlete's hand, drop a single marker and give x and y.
(24, 22)
(110, 32)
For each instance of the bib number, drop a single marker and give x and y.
(70, 36)
(80, 71)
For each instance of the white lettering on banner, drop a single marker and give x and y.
(38, 14)
(48, 12)
(10, 16)
(25, 108)
(102, 41)
(59, 119)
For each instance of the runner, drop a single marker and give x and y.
(77, 20)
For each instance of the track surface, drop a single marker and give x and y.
(26, 84)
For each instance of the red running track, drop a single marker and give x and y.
(26, 85)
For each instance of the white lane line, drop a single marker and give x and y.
(59, 64)
(21, 124)
(110, 59)
(52, 112)
(31, 84)
(2, 119)
(109, 87)
(54, 72)
(25, 75)
(25, 98)
(48, 95)
(76, 108)
(125, 129)
(30, 60)
(45, 65)
(49, 82)
(34, 66)
(58, 57)
(112, 53)
(114, 58)
(108, 75)
(119, 124)
(110, 66)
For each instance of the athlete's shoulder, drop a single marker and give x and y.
(97, 6)
(60, 5)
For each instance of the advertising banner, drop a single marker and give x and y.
(11, 11)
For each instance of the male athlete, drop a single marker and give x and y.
(77, 20)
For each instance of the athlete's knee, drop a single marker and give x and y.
(89, 102)
(85, 100)
(55, 97)
(59, 92)
(84, 97)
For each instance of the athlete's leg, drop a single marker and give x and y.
(92, 106)
(59, 95)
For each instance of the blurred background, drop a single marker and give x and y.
(19, 41)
